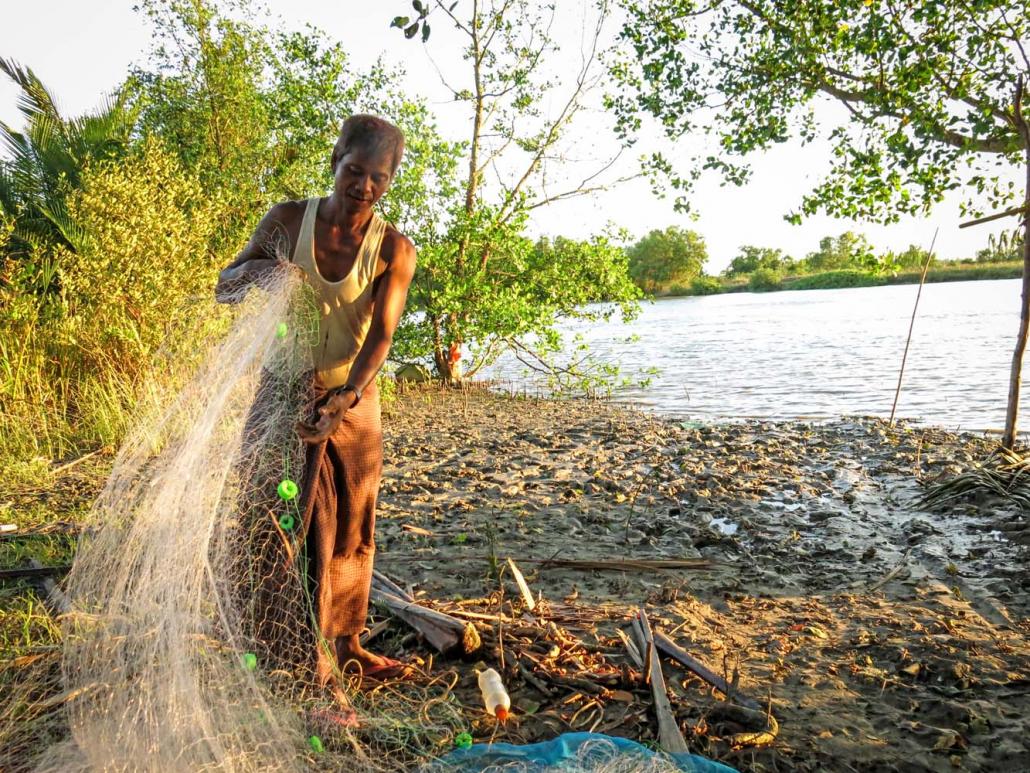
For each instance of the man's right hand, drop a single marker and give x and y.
(233, 279)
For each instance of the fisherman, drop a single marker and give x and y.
(360, 268)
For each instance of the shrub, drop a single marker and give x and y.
(705, 285)
(764, 280)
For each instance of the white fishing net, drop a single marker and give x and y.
(189, 612)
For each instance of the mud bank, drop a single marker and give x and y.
(880, 635)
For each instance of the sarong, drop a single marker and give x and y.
(341, 483)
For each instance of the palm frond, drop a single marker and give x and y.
(35, 99)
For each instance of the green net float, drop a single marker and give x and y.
(286, 522)
(287, 490)
(463, 741)
(316, 744)
(280, 330)
(249, 661)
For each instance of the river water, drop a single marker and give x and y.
(818, 353)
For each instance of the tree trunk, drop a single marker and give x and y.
(1015, 378)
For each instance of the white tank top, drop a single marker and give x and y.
(345, 307)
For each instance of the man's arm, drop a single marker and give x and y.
(386, 314)
(268, 246)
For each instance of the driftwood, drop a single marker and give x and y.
(587, 564)
(669, 735)
(527, 595)
(443, 632)
(666, 646)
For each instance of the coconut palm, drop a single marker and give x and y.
(45, 161)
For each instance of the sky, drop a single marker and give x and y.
(82, 49)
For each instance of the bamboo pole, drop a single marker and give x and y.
(912, 324)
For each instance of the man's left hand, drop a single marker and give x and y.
(329, 415)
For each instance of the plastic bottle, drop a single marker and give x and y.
(494, 695)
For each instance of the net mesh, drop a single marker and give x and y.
(188, 631)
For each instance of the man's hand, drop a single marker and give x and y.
(328, 417)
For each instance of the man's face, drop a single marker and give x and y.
(362, 177)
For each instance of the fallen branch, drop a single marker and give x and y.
(669, 735)
(612, 565)
(891, 574)
(666, 645)
(527, 595)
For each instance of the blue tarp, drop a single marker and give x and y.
(582, 749)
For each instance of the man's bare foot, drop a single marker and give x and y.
(352, 656)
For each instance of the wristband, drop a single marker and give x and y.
(349, 388)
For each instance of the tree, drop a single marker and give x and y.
(254, 113)
(932, 96)
(45, 166)
(912, 258)
(665, 258)
(1008, 245)
(752, 258)
(849, 250)
(477, 284)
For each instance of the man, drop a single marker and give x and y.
(360, 269)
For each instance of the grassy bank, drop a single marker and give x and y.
(831, 280)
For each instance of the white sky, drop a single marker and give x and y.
(83, 49)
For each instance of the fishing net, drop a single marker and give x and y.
(189, 643)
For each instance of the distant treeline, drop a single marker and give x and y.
(672, 262)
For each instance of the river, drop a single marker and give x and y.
(818, 353)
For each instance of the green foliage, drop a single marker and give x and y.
(480, 285)
(705, 285)
(832, 280)
(46, 159)
(914, 257)
(849, 250)
(765, 280)
(664, 258)
(1008, 245)
(926, 89)
(753, 258)
(512, 296)
(142, 279)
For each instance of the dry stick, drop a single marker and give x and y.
(912, 324)
(678, 654)
(614, 565)
(669, 735)
(527, 595)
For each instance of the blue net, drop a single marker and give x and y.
(571, 751)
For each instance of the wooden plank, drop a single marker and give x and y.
(34, 571)
(57, 598)
(666, 645)
(670, 738)
(527, 595)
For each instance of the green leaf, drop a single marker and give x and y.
(417, 5)
(409, 33)
(425, 32)
(400, 21)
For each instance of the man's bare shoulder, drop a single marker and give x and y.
(286, 213)
(396, 245)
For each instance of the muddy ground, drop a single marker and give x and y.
(880, 635)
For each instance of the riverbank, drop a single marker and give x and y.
(880, 636)
(834, 280)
